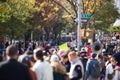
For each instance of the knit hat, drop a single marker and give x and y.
(93, 55)
(61, 52)
(54, 58)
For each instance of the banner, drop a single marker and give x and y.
(63, 46)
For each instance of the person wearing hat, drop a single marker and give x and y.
(59, 71)
(29, 61)
(92, 68)
(83, 56)
(42, 68)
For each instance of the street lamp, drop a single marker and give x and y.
(79, 25)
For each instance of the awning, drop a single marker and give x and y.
(115, 27)
(117, 23)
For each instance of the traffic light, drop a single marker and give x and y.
(87, 33)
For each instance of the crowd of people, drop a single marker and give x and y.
(92, 62)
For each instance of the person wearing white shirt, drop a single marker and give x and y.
(111, 72)
(42, 68)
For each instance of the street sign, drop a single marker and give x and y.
(86, 16)
(82, 20)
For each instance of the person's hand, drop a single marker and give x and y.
(117, 68)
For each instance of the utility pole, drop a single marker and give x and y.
(79, 25)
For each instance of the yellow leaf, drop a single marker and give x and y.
(32, 2)
(56, 8)
(42, 4)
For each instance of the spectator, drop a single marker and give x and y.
(111, 72)
(93, 68)
(12, 69)
(29, 61)
(102, 66)
(88, 49)
(76, 70)
(83, 56)
(65, 61)
(42, 68)
(59, 71)
(117, 58)
(21, 57)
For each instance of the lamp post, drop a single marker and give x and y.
(79, 25)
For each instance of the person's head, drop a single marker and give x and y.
(93, 55)
(29, 61)
(54, 58)
(28, 52)
(72, 56)
(64, 58)
(100, 57)
(58, 67)
(113, 61)
(38, 44)
(60, 53)
(88, 44)
(38, 54)
(52, 51)
(12, 52)
(82, 52)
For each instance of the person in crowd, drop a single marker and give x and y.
(88, 49)
(39, 45)
(117, 58)
(21, 57)
(102, 66)
(83, 57)
(65, 61)
(111, 72)
(52, 51)
(59, 71)
(76, 70)
(92, 68)
(42, 68)
(47, 47)
(60, 53)
(30, 61)
(6, 44)
(21, 47)
(46, 55)
(11, 69)
(108, 59)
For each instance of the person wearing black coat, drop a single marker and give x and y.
(11, 69)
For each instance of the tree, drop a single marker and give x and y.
(104, 8)
(13, 19)
(46, 14)
(107, 15)
(70, 8)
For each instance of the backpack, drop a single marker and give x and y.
(95, 68)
